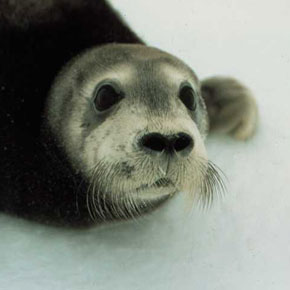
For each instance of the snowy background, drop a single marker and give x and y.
(243, 241)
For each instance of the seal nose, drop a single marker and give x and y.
(157, 143)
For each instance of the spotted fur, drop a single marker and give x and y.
(61, 161)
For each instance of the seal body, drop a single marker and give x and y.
(94, 125)
(37, 39)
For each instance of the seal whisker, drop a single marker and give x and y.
(213, 184)
(89, 194)
(96, 210)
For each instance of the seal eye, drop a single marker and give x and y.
(186, 95)
(106, 97)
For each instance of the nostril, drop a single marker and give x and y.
(182, 142)
(154, 141)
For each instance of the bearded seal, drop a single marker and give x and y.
(97, 126)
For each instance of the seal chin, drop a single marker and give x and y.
(161, 188)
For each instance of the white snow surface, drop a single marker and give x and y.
(243, 241)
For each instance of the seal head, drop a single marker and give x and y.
(132, 121)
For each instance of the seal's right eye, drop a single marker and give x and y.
(106, 96)
(187, 96)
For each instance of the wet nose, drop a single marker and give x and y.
(156, 143)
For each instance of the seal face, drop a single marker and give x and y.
(132, 120)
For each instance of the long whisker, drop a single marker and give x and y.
(111, 195)
(212, 185)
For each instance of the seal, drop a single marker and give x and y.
(97, 126)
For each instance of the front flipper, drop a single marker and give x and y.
(231, 107)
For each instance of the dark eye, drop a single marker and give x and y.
(106, 97)
(186, 95)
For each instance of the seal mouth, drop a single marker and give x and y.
(159, 183)
(160, 189)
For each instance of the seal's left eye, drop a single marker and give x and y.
(187, 96)
(106, 97)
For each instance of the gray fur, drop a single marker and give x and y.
(104, 146)
(231, 107)
(109, 140)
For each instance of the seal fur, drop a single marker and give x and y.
(47, 49)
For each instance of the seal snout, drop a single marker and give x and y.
(176, 143)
